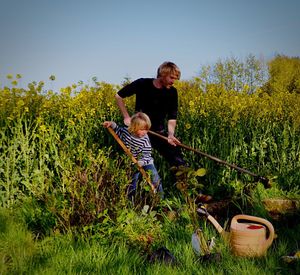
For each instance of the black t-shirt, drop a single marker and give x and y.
(159, 104)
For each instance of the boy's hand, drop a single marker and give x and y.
(107, 124)
(154, 188)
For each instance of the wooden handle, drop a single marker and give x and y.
(134, 160)
(216, 224)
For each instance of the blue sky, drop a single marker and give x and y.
(113, 39)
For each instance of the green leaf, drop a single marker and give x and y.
(147, 188)
(200, 172)
(145, 209)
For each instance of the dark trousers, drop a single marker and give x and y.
(172, 154)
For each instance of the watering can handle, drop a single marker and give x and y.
(259, 220)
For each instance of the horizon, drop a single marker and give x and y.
(114, 40)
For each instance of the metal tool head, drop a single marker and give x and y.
(201, 210)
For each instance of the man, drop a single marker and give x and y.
(158, 98)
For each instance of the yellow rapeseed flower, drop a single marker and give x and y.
(92, 111)
(188, 126)
(71, 122)
(43, 128)
(20, 103)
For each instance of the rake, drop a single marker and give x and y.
(263, 180)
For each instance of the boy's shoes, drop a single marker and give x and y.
(201, 198)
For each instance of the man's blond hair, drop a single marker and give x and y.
(168, 68)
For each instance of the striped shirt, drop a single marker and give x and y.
(140, 147)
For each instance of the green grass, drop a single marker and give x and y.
(22, 253)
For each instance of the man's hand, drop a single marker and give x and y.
(122, 107)
(171, 130)
(127, 121)
(173, 140)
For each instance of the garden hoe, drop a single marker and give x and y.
(204, 248)
(263, 180)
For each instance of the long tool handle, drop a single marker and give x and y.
(264, 180)
(216, 224)
(134, 160)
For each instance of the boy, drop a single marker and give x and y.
(136, 139)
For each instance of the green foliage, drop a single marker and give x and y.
(71, 254)
(88, 190)
(17, 246)
(67, 175)
(284, 75)
(49, 139)
(257, 132)
(37, 216)
(234, 75)
(142, 230)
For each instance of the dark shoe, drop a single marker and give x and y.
(162, 255)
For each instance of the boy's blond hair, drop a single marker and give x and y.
(139, 121)
(168, 68)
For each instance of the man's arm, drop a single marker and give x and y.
(171, 131)
(122, 107)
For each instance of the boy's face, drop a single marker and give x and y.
(140, 133)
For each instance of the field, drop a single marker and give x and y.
(63, 179)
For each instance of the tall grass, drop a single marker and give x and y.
(70, 254)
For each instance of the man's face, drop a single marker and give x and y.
(168, 80)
